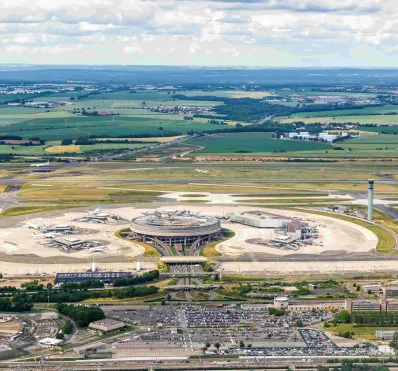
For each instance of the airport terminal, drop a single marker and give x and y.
(182, 230)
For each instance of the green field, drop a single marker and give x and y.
(12, 97)
(133, 118)
(323, 93)
(369, 119)
(252, 142)
(22, 210)
(75, 127)
(86, 193)
(360, 332)
(22, 150)
(349, 112)
(381, 129)
(56, 149)
(372, 142)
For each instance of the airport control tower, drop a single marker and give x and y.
(370, 199)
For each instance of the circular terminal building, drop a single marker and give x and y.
(179, 230)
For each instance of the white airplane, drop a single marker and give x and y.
(48, 234)
(97, 249)
(31, 225)
(41, 165)
(97, 212)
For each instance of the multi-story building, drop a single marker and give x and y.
(363, 306)
(390, 291)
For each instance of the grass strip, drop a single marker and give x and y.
(150, 251)
(210, 249)
(22, 210)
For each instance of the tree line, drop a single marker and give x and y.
(74, 296)
(20, 302)
(137, 280)
(82, 315)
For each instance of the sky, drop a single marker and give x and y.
(267, 33)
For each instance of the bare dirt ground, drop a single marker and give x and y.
(9, 328)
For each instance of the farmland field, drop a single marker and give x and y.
(354, 112)
(369, 119)
(227, 93)
(132, 117)
(323, 93)
(381, 129)
(252, 142)
(95, 147)
(75, 127)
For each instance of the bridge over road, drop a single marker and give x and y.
(188, 274)
(189, 287)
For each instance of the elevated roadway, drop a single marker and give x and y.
(187, 274)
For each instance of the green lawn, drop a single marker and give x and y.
(86, 193)
(150, 251)
(22, 210)
(360, 332)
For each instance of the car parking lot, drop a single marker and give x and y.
(196, 329)
(167, 315)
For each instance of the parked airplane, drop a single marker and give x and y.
(97, 249)
(31, 225)
(48, 234)
(93, 212)
(97, 212)
(41, 165)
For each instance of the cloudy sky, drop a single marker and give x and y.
(200, 32)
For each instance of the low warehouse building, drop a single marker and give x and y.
(255, 306)
(106, 277)
(281, 302)
(288, 228)
(372, 289)
(89, 348)
(107, 325)
(385, 334)
(260, 219)
(49, 342)
(390, 291)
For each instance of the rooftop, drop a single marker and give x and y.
(183, 259)
(107, 322)
(262, 215)
(175, 219)
(94, 274)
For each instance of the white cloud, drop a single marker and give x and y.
(132, 49)
(253, 32)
